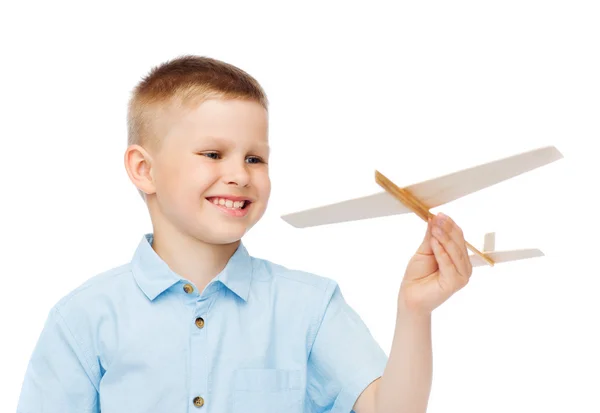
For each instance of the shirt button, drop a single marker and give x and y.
(198, 401)
(199, 322)
(188, 288)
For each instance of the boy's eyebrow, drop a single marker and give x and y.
(217, 139)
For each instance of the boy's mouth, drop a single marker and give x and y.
(239, 203)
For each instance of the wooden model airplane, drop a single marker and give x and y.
(422, 196)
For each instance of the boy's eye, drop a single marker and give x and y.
(212, 155)
(258, 160)
(215, 155)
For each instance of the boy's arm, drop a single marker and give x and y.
(406, 382)
(440, 267)
(60, 376)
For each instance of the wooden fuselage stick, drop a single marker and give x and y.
(416, 206)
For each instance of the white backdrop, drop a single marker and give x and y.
(415, 90)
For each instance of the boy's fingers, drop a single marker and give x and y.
(457, 234)
(451, 237)
(443, 258)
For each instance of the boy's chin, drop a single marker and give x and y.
(223, 235)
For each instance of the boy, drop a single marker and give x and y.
(194, 323)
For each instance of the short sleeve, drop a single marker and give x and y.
(59, 377)
(344, 359)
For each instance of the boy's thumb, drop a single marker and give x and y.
(425, 247)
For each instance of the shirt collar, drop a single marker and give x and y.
(154, 276)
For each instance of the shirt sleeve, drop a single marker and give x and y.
(344, 359)
(59, 376)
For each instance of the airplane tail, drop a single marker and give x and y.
(489, 242)
(489, 249)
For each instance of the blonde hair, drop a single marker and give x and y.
(186, 81)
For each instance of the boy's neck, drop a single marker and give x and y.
(196, 261)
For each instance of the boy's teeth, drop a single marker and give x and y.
(228, 203)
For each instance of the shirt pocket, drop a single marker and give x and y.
(267, 390)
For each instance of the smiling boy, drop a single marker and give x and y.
(194, 322)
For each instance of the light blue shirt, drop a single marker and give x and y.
(260, 338)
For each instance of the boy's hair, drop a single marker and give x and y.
(185, 81)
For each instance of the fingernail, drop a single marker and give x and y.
(441, 218)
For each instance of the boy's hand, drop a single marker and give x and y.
(440, 267)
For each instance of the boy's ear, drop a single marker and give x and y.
(138, 164)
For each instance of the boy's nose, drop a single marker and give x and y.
(236, 176)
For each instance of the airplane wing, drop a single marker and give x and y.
(370, 206)
(431, 193)
(506, 256)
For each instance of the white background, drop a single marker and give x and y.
(414, 89)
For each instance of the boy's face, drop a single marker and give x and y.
(217, 150)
